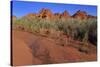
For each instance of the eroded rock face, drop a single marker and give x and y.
(48, 14)
(45, 13)
(80, 14)
(65, 15)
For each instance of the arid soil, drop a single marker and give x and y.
(28, 48)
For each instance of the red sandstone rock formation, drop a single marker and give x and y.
(80, 14)
(45, 13)
(65, 15)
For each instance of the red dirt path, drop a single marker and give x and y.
(31, 49)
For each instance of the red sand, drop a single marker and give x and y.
(30, 49)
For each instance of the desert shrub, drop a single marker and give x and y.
(93, 31)
(75, 28)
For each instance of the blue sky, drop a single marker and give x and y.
(21, 8)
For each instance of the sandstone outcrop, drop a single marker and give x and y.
(45, 13)
(65, 14)
(80, 14)
(48, 14)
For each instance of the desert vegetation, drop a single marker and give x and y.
(82, 30)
